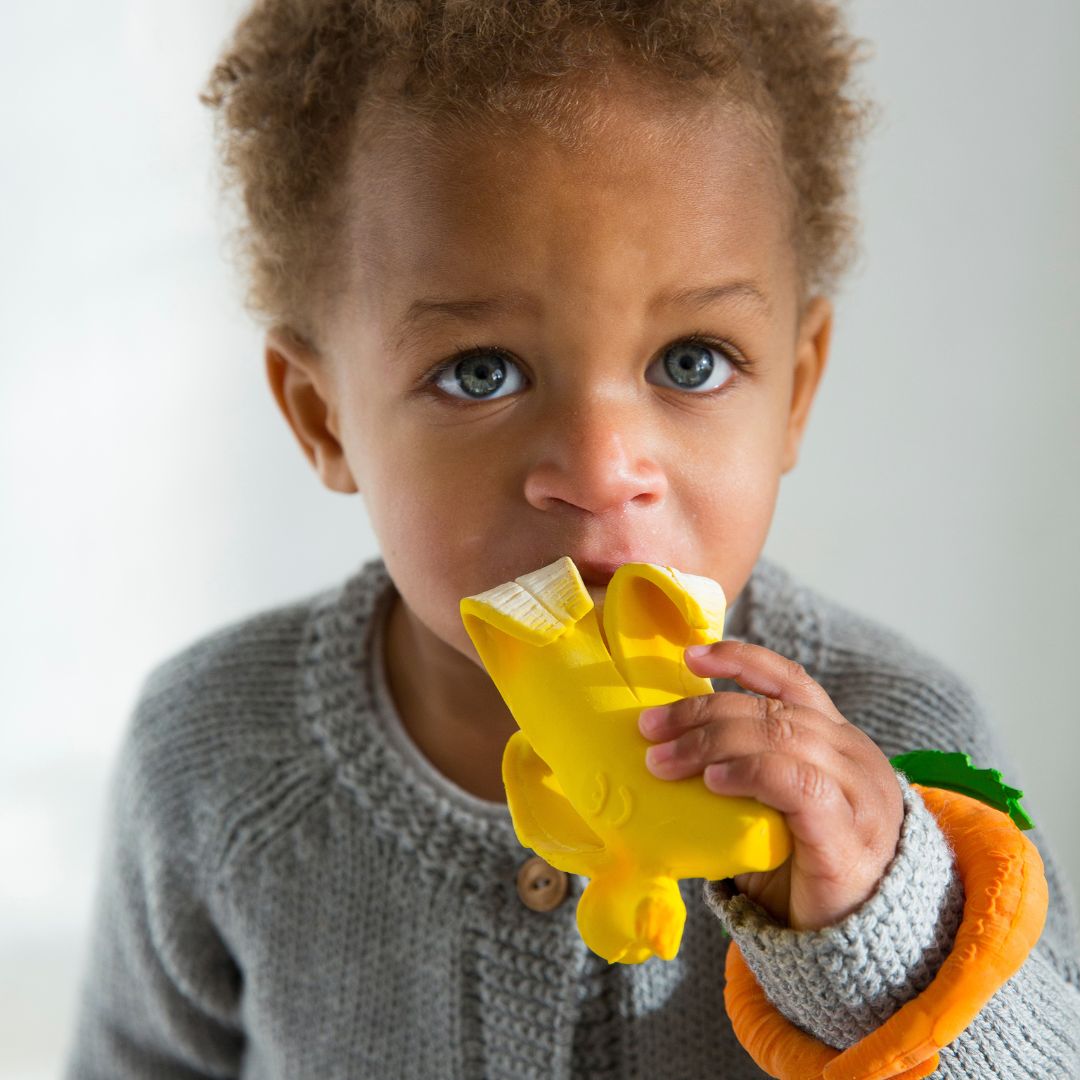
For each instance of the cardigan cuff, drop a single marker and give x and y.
(841, 982)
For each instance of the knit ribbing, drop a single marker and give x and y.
(845, 981)
(595, 1053)
(340, 705)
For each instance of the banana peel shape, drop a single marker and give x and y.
(578, 790)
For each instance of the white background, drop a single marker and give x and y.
(150, 490)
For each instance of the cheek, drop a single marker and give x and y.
(727, 494)
(437, 556)
(430, 509)
(427, 505)
(735, 464)
(408, 477)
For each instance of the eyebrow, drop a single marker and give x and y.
(474, 310)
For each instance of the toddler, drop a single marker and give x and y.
(539, 278)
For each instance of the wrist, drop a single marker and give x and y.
(843, 980)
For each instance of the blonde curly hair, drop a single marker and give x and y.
(302, 83)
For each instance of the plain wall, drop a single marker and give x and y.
(151, 491)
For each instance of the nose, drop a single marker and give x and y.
(596, 458)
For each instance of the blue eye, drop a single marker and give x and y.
(690, 364)
(488, 374)
(480, 374)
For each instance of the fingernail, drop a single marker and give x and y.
(658, 754)
(650, 720)
(697, 650)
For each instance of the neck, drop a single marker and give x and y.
(447, 704)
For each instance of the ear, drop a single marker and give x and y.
(304, 389)
(811, 355)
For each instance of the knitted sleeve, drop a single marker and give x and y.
(160, 991)
(841, 982)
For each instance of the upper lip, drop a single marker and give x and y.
(597, 570)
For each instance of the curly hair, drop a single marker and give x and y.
(303, 83)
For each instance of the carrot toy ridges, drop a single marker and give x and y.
(1005, 907)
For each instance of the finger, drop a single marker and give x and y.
(718, 727)
(812, 800)
(762, 671)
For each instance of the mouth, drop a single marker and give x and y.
(598, 594)
(596, 574)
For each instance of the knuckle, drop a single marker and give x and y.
(812, 784)
(697, 709)
(741, 649)
(702, 740)
(687, 714)
(795, 672)
(776, 721)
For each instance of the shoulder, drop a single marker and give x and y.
(900, 694)
(232, 685)
(217, 740)
(227, 660)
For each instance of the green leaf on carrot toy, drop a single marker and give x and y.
(954, 772)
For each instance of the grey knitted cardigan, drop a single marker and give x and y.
(290, 891)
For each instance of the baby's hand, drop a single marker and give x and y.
(792, 750)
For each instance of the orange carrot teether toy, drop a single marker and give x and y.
(1004, 911)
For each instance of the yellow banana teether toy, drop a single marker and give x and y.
(579, 792)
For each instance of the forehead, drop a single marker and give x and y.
(643, 194)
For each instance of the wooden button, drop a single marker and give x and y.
(540, 886)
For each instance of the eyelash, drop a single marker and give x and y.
(695, 337)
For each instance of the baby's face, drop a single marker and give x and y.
(581, 420)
